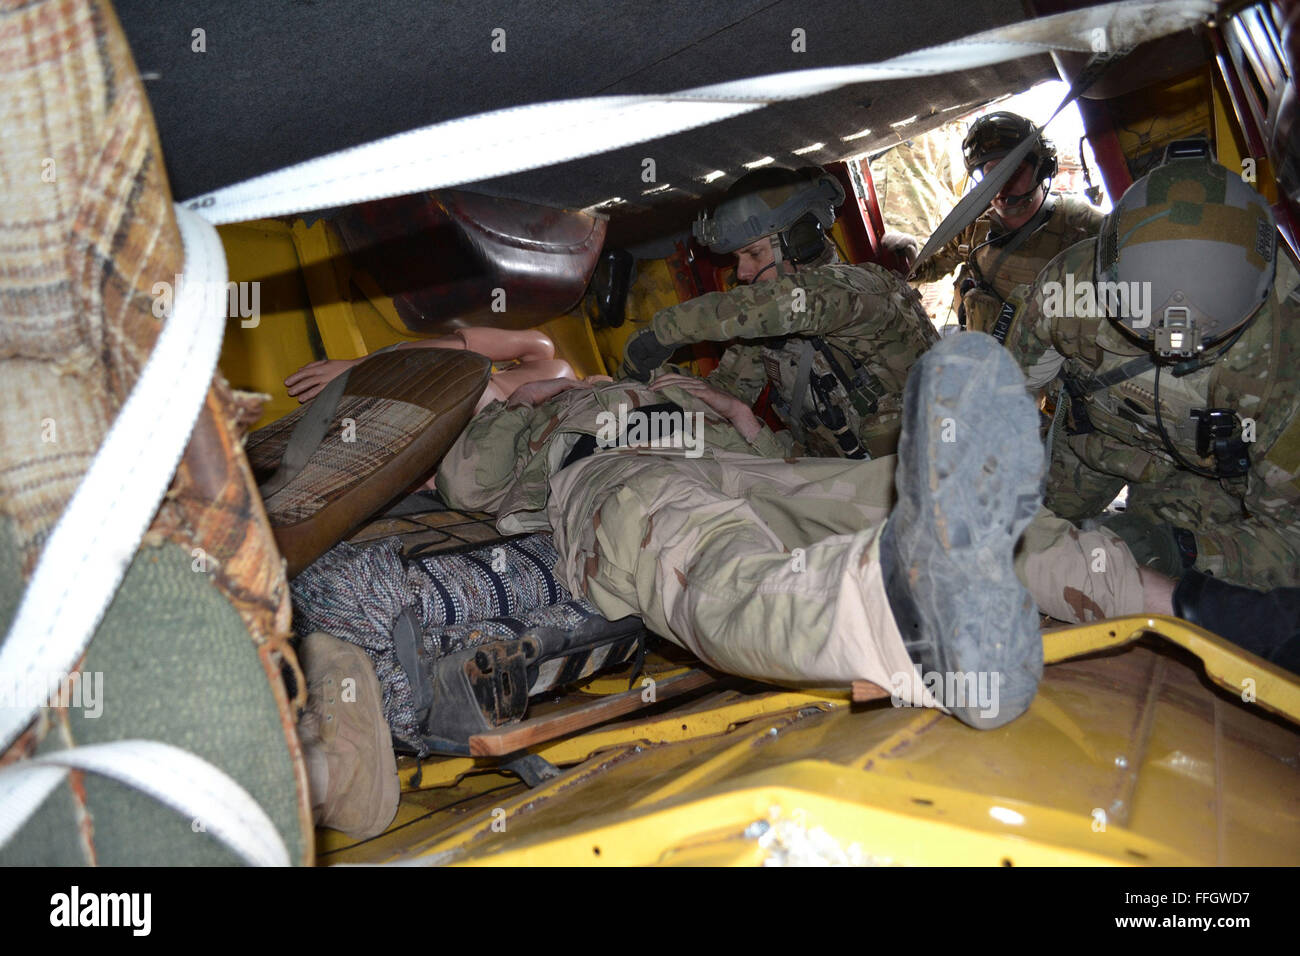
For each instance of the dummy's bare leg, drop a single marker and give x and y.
(530, 347)
(505, 382)
(500, 345)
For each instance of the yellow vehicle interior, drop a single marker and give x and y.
(1151, 742)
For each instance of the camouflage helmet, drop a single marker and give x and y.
(995, 135)
(767, 202)
(1203, 246)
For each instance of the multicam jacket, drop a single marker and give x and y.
(859, 323)
(1072, 220)
(920, 179)
(504, 460)
(1246, 529)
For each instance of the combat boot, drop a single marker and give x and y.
(346, 742)
(1266, 623)
(968, 478)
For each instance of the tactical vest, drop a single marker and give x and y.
(1256, 377)
(1005, 280)
(845, 410)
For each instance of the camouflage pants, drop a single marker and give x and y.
(769, 568)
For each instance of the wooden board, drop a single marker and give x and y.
(537, 730)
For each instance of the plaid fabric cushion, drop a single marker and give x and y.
(194, 644)
(367, 432)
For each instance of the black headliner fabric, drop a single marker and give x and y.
(281, 82)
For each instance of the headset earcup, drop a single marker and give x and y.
(804, 240)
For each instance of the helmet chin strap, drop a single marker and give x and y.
(1020, 198)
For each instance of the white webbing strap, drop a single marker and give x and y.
(507, 141)
(87, 554)
(194, 788)
(96, 537)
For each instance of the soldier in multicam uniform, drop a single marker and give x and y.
(835, 341)
(1174, 340)
(1001, 253)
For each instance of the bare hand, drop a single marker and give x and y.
(543, 390)
(306, 383)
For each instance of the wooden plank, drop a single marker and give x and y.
(537, 730)
(864, 690)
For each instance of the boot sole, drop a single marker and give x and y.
(968, 481)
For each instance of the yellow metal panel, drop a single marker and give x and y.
(1151, 118)
(324, 271)
(1126, 756)
(652, 290)
(1230, 144)
(1226, 664)
(382, 304)
(258, 357)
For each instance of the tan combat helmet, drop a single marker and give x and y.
(798, 207)
(1203, 240)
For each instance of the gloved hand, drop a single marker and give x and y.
(906, 247)
(645, 353)
(1153, 543)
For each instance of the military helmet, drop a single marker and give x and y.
(771, 201)
(1201, 243)
(995, 135)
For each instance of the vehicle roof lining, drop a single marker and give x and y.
(283, 83)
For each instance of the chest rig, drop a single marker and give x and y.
(1202, 425)
(1003, 267)
(822, 393)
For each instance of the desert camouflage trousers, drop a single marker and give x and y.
(770, 568)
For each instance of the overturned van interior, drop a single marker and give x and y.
(568, 738)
